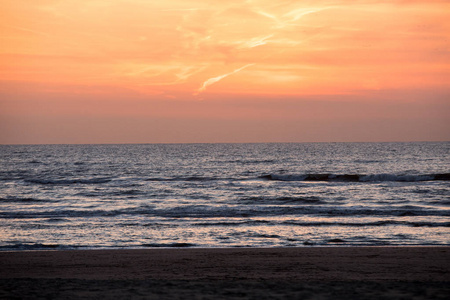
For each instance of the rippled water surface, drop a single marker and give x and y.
(224, 195)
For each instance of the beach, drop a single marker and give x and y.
(228, 273)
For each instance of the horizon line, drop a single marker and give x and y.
(209, 143)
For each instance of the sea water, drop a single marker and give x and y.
(224, 195)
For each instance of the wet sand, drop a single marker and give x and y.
(236, 273)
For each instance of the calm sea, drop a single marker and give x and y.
(224, 195)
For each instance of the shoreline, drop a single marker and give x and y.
(387, 272)
(430, 263)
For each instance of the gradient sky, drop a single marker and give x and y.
(148, 71)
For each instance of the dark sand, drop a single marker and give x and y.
(237, 273)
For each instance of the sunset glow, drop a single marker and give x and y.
(135, 71)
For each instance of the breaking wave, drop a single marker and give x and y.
(356, 177)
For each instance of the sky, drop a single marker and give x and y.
(191, 71)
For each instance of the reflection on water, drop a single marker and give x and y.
(224, 195)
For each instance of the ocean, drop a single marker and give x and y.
(224, 195)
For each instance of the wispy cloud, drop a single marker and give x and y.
(255, 42)
(187, 72)
(292, 16)
(218, 78)
(297, 14)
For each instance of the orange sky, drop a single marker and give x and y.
(140, 71)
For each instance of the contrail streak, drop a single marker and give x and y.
(218, 78)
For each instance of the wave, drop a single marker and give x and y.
(440, 202)
(232, 224)
(281, 200)
(69, 181)
(248, 161)
(129, 192)
(381, 223)
(369, 224)
(32, 246)
(326, 177)
(27, 200)
(356, 177)
(171, 245)
(206, 212)
(188, 178)
(35, 162)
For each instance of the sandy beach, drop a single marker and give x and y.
(233, 273)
